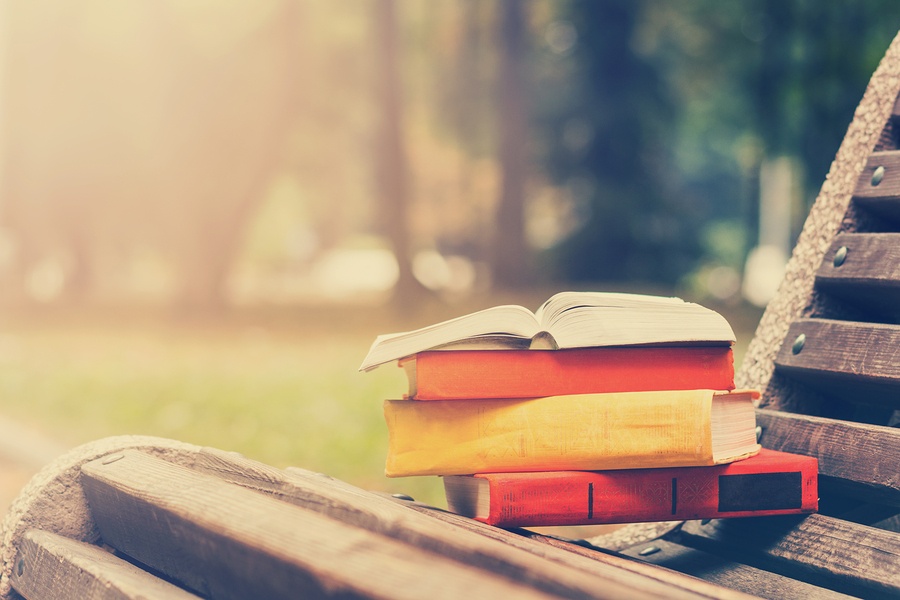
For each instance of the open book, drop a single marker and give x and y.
(566, 320)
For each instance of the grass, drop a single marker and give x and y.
(282, 388)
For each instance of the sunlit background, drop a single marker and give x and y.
(209, 208)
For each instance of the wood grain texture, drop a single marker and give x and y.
(857, 458)
(49, 566)
(871, 259)
(888, 186)
(863, 269)
(54, 501)
(728, 573)
(227, 542)
(850, 361)
(563, 569)
(557, 552)
(849, 558)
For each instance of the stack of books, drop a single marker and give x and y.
(597, 408)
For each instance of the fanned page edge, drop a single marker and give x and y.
(468, 495)
(751, 447)
(714, 328)
(563, 301)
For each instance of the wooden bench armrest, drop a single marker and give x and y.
(221, 526)
(52, 566)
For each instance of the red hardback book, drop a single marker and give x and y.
(770, 483)
(464, 374)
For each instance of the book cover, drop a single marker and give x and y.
(770, 483)
(566, 320)
(456, 374)
(622, 430)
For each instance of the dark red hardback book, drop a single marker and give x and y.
(464, 374)
(770, 483)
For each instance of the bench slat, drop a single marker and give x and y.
(552, 549)
(728, 573)
(49, 566)
(555, 566)
(854, 458)
(850, 558)
(864, 269)
(889, 185)
(856, 362)
(227, 542)
(220, 538)
(883, 198)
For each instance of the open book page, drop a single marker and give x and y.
(567, 320)
(494, 325)
(560, 303)
(600, 319)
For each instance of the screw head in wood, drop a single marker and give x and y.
(878, 175)
(799, 343)
(840, 256)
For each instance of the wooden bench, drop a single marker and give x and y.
(131, 517)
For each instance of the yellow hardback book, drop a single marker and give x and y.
(629, 430)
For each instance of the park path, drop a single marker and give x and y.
(23, 451)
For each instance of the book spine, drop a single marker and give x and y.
(652, 495)
(580, 432)
(468, 374)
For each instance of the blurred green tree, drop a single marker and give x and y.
(606, 132)
(658, 117)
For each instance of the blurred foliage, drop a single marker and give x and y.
(607, 139)
(661, 114)
(211, 152)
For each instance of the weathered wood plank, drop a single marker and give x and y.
(883, 197)
(573, 552)
(850, 558)
(855, 458)
(849, 361)
(725, 572)
(563, 569)
(226, 541)
(870, 185)
(855, 259)
(864, 269)
(49, 566)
